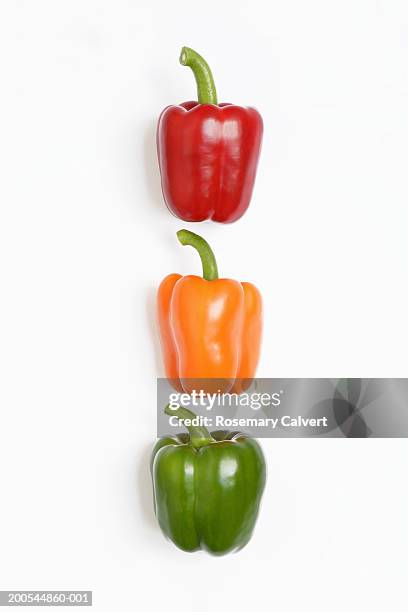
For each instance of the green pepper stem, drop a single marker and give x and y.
(199, 436)
(206, 91)
(210, 270)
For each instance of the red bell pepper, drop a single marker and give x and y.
(208, 152)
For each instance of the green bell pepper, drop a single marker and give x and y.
(207, 487)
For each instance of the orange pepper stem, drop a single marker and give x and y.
(199, 435)
(210, 270)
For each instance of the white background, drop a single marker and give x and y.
(85, 239)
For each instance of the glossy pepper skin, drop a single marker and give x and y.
(210, 327)
(208, 152)
(207, 488)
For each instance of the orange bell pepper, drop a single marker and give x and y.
(210, 327)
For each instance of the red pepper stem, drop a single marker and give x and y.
(199, 435)
(209, 263)
(206, 91)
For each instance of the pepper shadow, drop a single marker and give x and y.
(154, 332)
(144, 483)
(151, 169)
